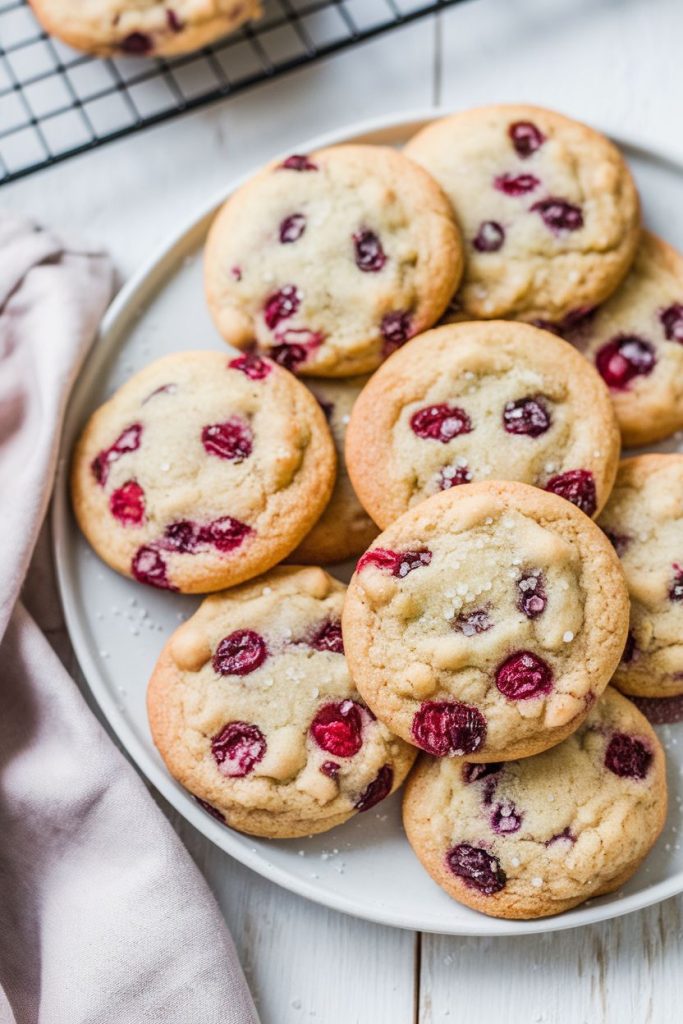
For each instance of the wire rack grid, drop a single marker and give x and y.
(56, 102)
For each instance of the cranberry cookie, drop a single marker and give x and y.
(253, 710)
(331, 261)
(547, 207)
(635, 340)
(644, 521)
(485, 622)
(490, 400)
(142, 27)
(203, 470)
(535, 837)
(344, 529)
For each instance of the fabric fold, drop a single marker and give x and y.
(103, 915)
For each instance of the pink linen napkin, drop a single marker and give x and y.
(103, 915)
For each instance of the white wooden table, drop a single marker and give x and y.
(613, 62)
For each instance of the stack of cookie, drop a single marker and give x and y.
(483, 626)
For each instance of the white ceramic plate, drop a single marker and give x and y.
(117, 627)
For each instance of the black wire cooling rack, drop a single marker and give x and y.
(55, 102)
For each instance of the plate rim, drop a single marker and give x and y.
(153, 271)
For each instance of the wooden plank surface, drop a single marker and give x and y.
(305, 963)
(621, 971)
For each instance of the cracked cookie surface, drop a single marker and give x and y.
(485, 622)
(644, 520)
(330, 261)
(547, 207)
(142, 27)
(253, 710)
(489, 400)
(203, 470)
(536, 837)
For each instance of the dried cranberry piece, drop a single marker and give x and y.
(577, 486)
(127, 441)
(526, 138)
(239, 653)
(516, 184)
(298, 162)
(532, 596)
(619, 541)
(628, 757)
(528, 416)
(440, 422)
(524, 676)
(672, 321)
(572, 326)
(281, 305)
(181, 536)
(377, 790)
(477, 868)
(329, 638)
(225, 534)
(676, 588)
(453, 476)
(238, 748)
(176, 25)
(489, 237)
(210, 809)
(149, 567)
(506, 819)
(294, 346)
(396, 329)
(337, 728)
(474, 772)
(187, 537)
(251, 365)
(370, 256)
(292, 228)
(448, 727)
(330, 769)
(565, 834)
(231, 440)
(127, 503)
(624, 358)
(137, 43)
(559, 215)
(398, 563)
(471, 623)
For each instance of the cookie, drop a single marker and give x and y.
(203, 470)
(485, 622)
(635, 341)
(490, 400)
(330, 261)
(344, 530)
(142, 27)
(547, 207)
(536, 837)
(644, 521)
(253, 710)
